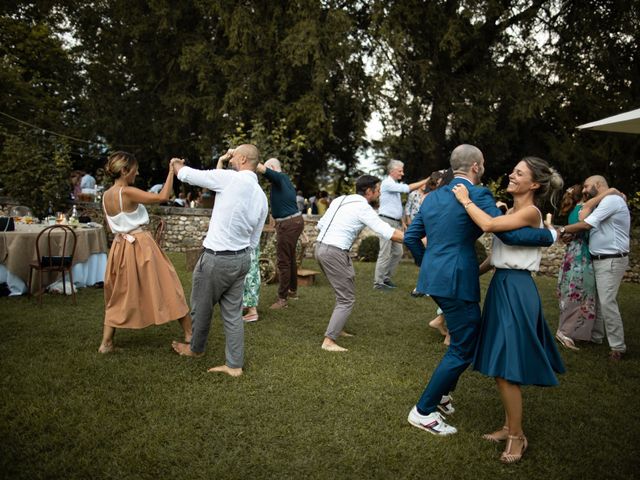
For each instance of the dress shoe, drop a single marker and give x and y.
(615, 356)
(280, 303)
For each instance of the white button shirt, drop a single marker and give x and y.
(240, 209)
(610, 223)
(390, 198)
(345, 218)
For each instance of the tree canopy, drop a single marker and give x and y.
(162, 78)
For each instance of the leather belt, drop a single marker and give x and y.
(226, 252)
(333, 247)
(390, 218)
(604, 256)
(278, 220)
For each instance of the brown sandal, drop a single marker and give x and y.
(497, 436)
(508, 457)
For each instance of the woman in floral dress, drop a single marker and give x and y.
(576, 281)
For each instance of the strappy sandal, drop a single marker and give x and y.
(566, 342)
(497, 436)
(513, 457)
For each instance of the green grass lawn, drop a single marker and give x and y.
(297, 412)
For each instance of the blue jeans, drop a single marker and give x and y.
(463, 322)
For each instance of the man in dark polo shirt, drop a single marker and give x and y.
(289, 225)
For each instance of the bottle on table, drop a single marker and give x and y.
(74, 216)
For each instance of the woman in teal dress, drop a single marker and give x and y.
(576, 281)
(515, 345)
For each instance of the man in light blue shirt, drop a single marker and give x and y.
(390, 211)
(608, 225)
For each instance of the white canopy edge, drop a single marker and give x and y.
(628, 122)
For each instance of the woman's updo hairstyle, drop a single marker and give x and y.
(120, 163)
(550, 181)
(570, 199)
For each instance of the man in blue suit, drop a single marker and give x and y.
(449, 274)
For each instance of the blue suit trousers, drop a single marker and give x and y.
(463, 321)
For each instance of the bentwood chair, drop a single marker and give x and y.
(55, 248)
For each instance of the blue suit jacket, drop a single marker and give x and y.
(449, 266)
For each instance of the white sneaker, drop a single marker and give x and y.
(432, 423)
(445, 405)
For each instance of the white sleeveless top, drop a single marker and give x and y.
(516, 257)
(125, 222)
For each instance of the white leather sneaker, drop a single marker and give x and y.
(432, 423)
(445, 405)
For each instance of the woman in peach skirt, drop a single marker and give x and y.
(141, 287)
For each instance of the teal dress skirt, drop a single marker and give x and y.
(515, 342)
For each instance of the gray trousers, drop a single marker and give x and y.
(608, 273)
(337, 266)
(220, 279)
(389, 256)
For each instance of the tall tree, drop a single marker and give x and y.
(453, 73)
(165, 77)
(512, 77)
(596, 73)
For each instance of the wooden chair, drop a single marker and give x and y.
(55, 248)
(157, 227)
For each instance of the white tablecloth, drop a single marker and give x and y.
(84, 275)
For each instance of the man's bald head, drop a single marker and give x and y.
(594, 185)
(599, 181)
(245, 157)
(468, 160)
(273, 164)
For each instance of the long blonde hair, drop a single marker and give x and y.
(550, 181)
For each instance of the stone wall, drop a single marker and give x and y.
(186, 228)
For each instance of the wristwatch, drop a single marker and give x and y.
(562, 229)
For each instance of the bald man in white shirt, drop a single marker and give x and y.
(237, 219)
(608, 225)
(339, 227)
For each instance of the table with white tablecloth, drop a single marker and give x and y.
(18, 250)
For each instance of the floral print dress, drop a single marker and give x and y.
(577, 287)
(251, 293)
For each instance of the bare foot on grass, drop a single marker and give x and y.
(234, 372)
(439, 324)
(106, 348)
(330, 346)
(184, 349)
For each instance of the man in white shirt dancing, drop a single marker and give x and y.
(339, 227)
(608, 225)
(236, 223)
(390, 211)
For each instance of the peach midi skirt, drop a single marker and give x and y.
(141, 287)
